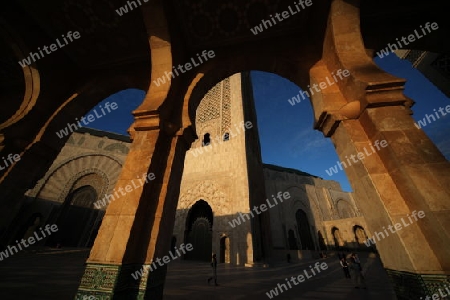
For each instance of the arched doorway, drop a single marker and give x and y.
(199, 231)
(224, 250)
(337, 237)
(78, 222)
(304, 230)
(360, 235)
(344, 209)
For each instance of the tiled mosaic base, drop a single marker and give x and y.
(107, 282)
(411, 286)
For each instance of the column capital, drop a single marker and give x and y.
(335, 104)
(151, 120)
(146, 120)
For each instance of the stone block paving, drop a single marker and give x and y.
(55, 274)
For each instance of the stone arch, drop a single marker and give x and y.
(360, 235)
(28, 77)
(78, 104)
(370, 105)
(211, 193)
(72, 170)
(309, 206)
(291, 188)
(351, 95)
(294, 204)
(223, 66)
(345, 209)
(204, 82)
(149, 117)
(298, 204)
(337, 237)
(38, 146)
(198, 232)
(84, 195)
(162, 60)
(304, 230)
(204, 212)
(77, 221)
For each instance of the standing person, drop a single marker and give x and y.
(344, 266)
(357, 261)
(358, 277)
(214, 267)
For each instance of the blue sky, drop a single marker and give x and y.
(286, 132)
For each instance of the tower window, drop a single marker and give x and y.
(206, 140)
(226, 136)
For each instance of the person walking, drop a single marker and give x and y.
(344, 266)
(357, 275)
(214, 269)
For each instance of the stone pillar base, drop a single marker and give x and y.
(107, 282)
(409, 285)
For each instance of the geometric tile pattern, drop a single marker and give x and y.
(409, 285)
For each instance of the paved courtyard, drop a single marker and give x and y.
(55, 274)
(188, 280)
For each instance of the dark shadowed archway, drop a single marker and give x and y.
(199, 231)
(304, 230)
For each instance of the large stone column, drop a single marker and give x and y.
(408, 175)
(137, 227)
(403, 175)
